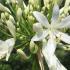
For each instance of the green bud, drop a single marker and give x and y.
(11, 28)
(65, 10)
(26, 11)
(18, 29)
(46, 2)
(18, 24)
(3, 16)
(35, 3)
(33, 47)
(21, 37)
(22, 54)
(8, 1)
(20, 3)
(13, 1)
(19, 13)
(31, 18)
(31, 7)
(6, 14)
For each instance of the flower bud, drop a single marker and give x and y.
(8, 1)
(22, 54)
(21, 37)
(33, 47)
(20, 3)
(18, 29)
(30, 18)
(19, 13)
(65, 10)
(35, 3)
(6, 14)
(11, 28)
(3, 16)
(26, 11)
(46, 2)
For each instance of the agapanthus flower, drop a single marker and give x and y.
(51, 31)
(6, 48)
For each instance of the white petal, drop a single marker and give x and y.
(10, 43)
(55, 14)
(11, 28)
(65, 22)
(48, 52)
(54, 63)
(37, 27)
(41, 18)
(7, 56)
(3, 49)
(49, 47)
(6, 48)
(3, 46)
(64, 37)
(51, 59)
(39, 36)
(58, 65)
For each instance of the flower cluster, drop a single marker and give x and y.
(17, 20)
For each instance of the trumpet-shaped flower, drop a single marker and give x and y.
(51, 31)
(6, 48)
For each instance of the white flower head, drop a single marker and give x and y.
(6, 48)
(44, 30)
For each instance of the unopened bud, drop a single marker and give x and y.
(22, 54)
(6, 14)
(21, 37)
(33, 47)
(20, 3)
(19, 13)
(3, 16)
(13, 1)
(35, 3)
(31, 18)
(11, 28)
(26, 11)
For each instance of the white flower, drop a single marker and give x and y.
(50, 31)
(6, 48)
